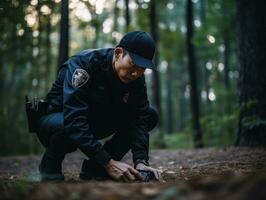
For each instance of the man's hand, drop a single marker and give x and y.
(156, 172)
(121, 171)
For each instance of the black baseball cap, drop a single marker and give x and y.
(140, 47)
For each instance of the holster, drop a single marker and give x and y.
(35, 109)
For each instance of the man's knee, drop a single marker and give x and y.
(153, 118)
(48, 126)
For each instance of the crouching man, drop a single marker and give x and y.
(99, 93)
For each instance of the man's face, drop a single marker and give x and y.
(125, 68)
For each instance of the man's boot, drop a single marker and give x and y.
(51, 169)
(92, 170)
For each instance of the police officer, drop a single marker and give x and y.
(99, 93)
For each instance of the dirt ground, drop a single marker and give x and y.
(229, 173)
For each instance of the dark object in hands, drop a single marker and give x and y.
(35, 109)
(146, 175)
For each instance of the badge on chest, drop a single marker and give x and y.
(79, 78)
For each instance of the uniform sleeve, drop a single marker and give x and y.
(76, 110)
(140, 143)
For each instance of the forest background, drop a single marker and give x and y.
(195, 88)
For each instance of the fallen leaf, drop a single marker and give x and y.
(150, 191)
(170, 172)
(171, 162)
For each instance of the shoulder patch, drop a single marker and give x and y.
(79, 78)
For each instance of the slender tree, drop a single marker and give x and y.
(251, 48)
(64, 33)
(48, 52)
(227, 36)
(95, 22)
(206, 73)
(115, 27)
(155, 75)
(197, 135)
(227, 52)
(127, 15)
(169, 83)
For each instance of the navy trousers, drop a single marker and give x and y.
(52, 136)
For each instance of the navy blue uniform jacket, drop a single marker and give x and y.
(101, 100)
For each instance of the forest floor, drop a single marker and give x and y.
(228, 173)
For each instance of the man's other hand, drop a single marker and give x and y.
(121, 171)
(156, 172)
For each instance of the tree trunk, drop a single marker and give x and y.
(115, 27)
(48, 51)
(205, 71)
(183, 107)
(64, 34)
(169, 100)
(97, 31)
(227, 52)
(251, 46)
(127, 15)
(37, 73)
(155, 74)
(197, 135)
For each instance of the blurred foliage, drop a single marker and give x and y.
(219, 131)
(19, 189)
(180, 140)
